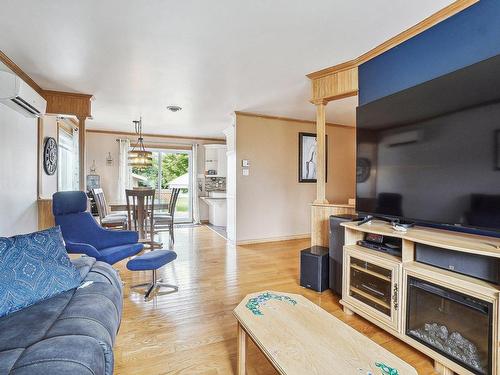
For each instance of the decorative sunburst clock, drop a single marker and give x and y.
(50, 156)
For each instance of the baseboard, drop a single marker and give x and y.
(274, 239)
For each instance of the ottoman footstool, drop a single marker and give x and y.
(152, 261)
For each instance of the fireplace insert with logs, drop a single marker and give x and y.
(453, 324)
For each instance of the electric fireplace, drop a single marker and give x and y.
(453, 324)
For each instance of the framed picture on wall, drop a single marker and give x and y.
(307, 157)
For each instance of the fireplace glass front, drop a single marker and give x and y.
(453, 324)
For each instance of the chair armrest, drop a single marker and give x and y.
(82, 248)
(117, 237)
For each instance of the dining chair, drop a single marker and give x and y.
(106, 218)
(140, 214)
(165, 221)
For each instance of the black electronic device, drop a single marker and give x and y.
(477, 266)
(378, 242)
(435, 148)
(314, 268)
(336, 244)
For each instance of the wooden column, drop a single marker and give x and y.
(81, 152)
(321, 153)
(72, 104)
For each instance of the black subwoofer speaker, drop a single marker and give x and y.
(337, 250)
(314, 268)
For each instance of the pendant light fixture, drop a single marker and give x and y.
(138, 157)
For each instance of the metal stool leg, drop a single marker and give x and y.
(151, 288)
(154, 286)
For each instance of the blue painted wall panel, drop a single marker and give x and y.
(464, 39)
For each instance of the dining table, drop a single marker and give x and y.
(122, 206)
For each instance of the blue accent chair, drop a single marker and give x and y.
(83, 235)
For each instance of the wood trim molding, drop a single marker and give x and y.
(420, 27)
(18, 71)
(280, 118)
(45, 216)
(68, 103)
(334, 86)
(166, 146)
(156, 135)
(274, 239)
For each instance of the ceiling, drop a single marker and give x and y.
(210, 57)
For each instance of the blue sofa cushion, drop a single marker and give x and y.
(34, 267)
(114, 254)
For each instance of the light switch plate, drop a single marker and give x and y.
(246, 172)
(245, 163)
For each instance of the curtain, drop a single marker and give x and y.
(194, 186)
(76, 160)
(124, 171)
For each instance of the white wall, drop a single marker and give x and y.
(48, 184)
(97, 148)
(18, 173)
(270, 203)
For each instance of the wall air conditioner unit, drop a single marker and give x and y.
(403, 138)
(18, 95)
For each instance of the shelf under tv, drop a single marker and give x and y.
(394, 317)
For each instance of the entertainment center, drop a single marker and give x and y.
(450, 316)
(429, 155)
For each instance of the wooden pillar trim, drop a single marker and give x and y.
(73, 104)
(68, 103)
(321, 152)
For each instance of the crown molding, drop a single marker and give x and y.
(420, 27)
(281, 118)
(19, 72)
(111, 132)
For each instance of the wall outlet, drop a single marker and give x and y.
(245, 163)
(246, 172)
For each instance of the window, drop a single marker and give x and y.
(67, 170)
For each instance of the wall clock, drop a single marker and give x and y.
(50, 156)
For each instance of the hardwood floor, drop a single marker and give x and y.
(194, 332)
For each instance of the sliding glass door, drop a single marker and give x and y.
(170, 169)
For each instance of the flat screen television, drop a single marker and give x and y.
(430, 154)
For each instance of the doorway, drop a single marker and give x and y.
(171, 169)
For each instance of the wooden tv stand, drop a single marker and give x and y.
(390, 313)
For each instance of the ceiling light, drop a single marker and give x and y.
(174, 108)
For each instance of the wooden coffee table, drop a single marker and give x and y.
(299, 337)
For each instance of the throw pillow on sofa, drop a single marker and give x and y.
(34, 267)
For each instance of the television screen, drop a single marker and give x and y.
(431, 153)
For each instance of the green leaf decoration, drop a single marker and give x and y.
(386, 370)
(254, 303)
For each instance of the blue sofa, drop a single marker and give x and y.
(71, 333)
